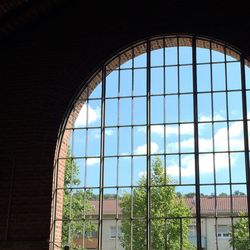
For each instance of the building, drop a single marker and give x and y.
(215, 234)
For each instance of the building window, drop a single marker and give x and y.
(223, 231)
(156, 144)
(114, 234)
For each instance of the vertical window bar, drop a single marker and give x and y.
(228, 141)
(132, 152)
(246, 143)
(85, 173)
(101, 179)
(213, 133)
(179, 102)
(117, 153)
(196, 142)
(164, 109)
(148, 144)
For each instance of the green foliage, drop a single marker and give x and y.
(165, 202)
(76, 204)
(239, 236)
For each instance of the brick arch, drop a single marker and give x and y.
(121, 57)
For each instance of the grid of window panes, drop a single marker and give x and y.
(179, 105)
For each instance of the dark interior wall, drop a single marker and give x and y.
(45, 62)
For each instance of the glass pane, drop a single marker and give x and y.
(96, 92)
(234, 105)
(110, 145)
(112, 84)
(203, 78)
(222, 167)
(139, 140)
(171, 107)
(93, 113)
(233, 75)
(220, 136)
(125, 141)
(157, 139)
(171, 55)
(79, 141)
(205, 137)
(236, 140)
(220, 111)
(110, 172)
(185, 55)
(157, 109)
(186, 79)
(171, 75)
(157, 57)
(125, 82)
(125, 111)
(187, 169)
(187, 137)
(172, 139)
(173, 169)
(124, 171)
(204, 107)
(203, 55)
(139, 169)
(206, 166)
(217, 56)
(111, 112)
(140, 61)
(93, 172)
(94, 142)
(219, 82)
(157, 82)
(238, 169)
(186, 108)
(139, 112)
(247, 75)
(140, 76)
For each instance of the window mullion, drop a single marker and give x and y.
(196, 143)
(148, 145)
(245, 131)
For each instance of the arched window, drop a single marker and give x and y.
(154, 152)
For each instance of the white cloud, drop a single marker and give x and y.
(92, 161)
(143, 149)
(109, 132)
(205, 164)
(93, 115)
(142, 174)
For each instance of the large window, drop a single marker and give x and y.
(154, 153)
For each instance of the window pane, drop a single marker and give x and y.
(157, 109)
(112, 84)
(126, 82)
(157, 57)
(171, 102)
(125, 111)
(186, 108)
(111, 112)
(234, 105)
(139, 112)
(185, 55)
(204, 107)
(171, 75)
(219, 76)
(140, 82)
(203, 78)
(157, 82)
(186, 79)
(233, 75)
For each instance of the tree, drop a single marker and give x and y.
(76, 204)
(165, 203)
(239, 236)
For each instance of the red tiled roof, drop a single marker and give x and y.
(239, 204)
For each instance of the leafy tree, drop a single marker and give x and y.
(165, 203)
(76, 204)
(239, 236)
(238, 193)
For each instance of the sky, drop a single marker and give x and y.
(170, 138)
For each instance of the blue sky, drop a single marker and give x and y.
(173, 108)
